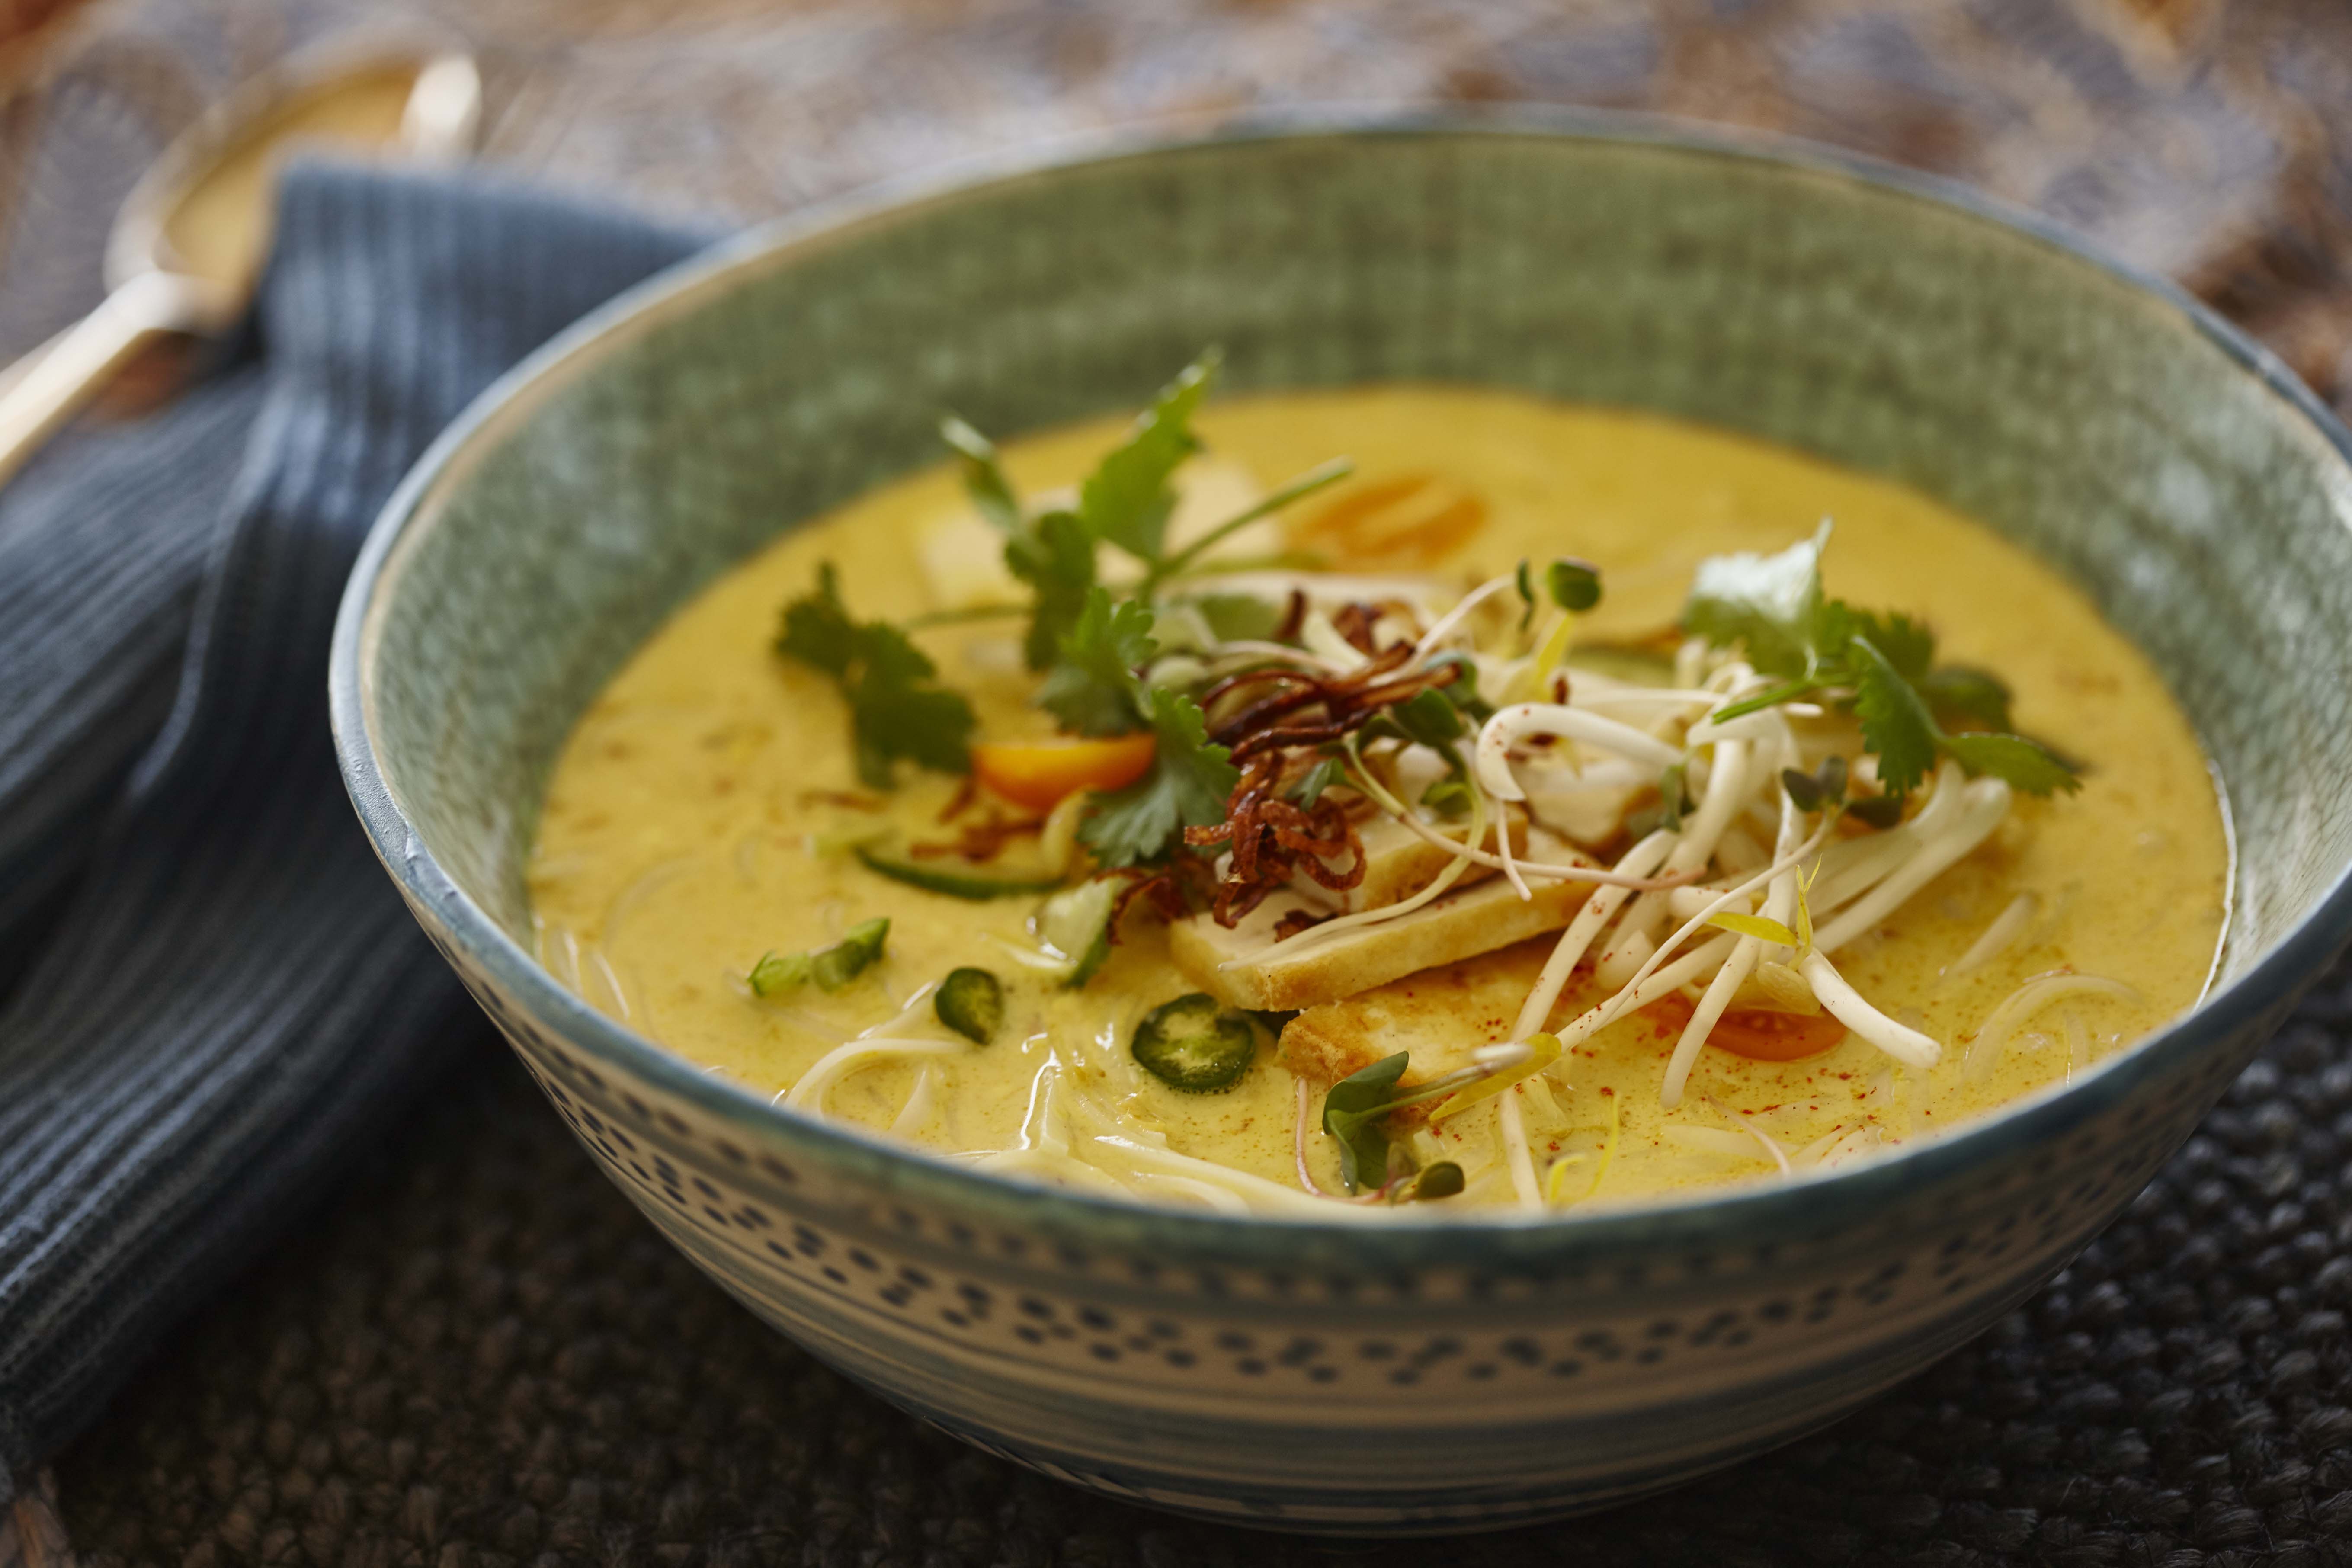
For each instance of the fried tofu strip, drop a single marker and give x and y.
(1399, 863)
(1245, 967)
(1441, 1016)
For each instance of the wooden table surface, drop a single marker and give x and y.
(2209, 140)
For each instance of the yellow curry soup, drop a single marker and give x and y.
(708, 810)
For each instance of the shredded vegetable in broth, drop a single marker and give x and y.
(1396, 800)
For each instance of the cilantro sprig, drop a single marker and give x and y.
(897, 708)
(1883, 667)
(1094, 689)
(1125, 503)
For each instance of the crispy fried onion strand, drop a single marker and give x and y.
(1273, 840)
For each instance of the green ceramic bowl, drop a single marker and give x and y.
(1420, 1377)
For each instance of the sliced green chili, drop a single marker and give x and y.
(1192, 1044)
(972, 1003)
(970, 885)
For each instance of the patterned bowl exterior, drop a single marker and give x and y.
(1417, 1377)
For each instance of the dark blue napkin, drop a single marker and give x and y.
(213, 996)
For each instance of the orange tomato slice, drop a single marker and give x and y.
(1759, 1034)
(1038, 773)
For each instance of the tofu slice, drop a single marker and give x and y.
(1399, 863)
(1441, 1016)
(1266, 975)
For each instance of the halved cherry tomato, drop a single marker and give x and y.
(1038, 773)
(1758, 1033)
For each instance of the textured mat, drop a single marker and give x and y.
(480, 1356)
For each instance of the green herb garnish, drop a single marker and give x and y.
(1326, 772)
(1448, 798)
(859, 950)
(972, 885)
(1075, 923)
(1674, 795)
(1574, 585)
(896, 709)
(1194, 1045)
(1772, 607)
(1355, 1112)
(1825, 786)
(1439, 1179)
(972, 1003)
(1187, 786)
(777, 973)
(1092, 688)
(831, 968)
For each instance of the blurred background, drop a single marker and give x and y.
(2208, 140)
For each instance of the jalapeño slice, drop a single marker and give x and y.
(1192, 1044)
(972, 1003)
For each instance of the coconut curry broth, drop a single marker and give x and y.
(697, 815)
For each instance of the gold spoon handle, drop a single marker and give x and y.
(69, 369)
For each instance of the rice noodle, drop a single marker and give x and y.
(1713, 1139)
(1298, 1143)
(841, 1061)
(1992, 1034)
(2005, 929)
(1771, 1144)
(1864, 1139)
(920, 1102)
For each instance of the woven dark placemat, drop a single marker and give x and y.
(480, 1355)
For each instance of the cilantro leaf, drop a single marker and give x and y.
(983, 476)
(1092, 687)
(1127, 499)
(2024, 765)
(896, 711)
(1188, 784)
(930, 726)
(1896, 723)
(1326, 772)
(1056, 557)
(1963, 690)
(1771, 607)
(817, 629)
(1768, 603)
(1908, 646)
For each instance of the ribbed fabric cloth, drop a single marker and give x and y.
(221, 997)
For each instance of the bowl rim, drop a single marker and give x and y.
(1737, 1216)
